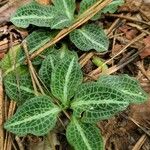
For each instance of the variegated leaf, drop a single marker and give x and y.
(33, 13)
(95, 101)
(90, 37)
(126, 85)
(83, 136)
(36, 116)
(65, 79)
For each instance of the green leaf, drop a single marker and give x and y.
(84, 136)
(90, 37)
(65, 79)
(35, 41)
(65, 7)
(40, 58)
(9, 61)
(18, 85)
(64, 13)
(126, 85)
(86, 4)
(36, 116)
(33, 13)
(113, 6)
(49, 64)
(60, 21)
(95, 101)
(46, 69)
(16, 56)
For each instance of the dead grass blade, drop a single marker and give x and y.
(1, 113)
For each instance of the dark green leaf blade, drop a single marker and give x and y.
(65, 79)
(84, 136)
(90, 37)
(46, 69)
(9, 62)
(60, 21)
(16, 56)
(94, 102)
(18, 85)
(86, 4)
(33, 13)
(50, 62)
(65, 7)
(113, 6)
(36, 116)
(35, 41)
(127, 85)
(64, 13)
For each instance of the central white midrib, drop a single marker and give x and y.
(132, 94)
(22, 87)
(67, 79)
(33, 17)
(78, 103)
(61, 21)
(84, 34)
(67, 10)
(83, 135)
(39, 116)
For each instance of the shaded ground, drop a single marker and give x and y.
(129, 53)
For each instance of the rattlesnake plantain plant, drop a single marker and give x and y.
(64, 91)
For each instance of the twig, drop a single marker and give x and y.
(86, 59)
(137, 123)
(97, 71)
(141, 68)
(32, 71)
(10, 3)
(19, 143)
(112, 27)
(128, 18)
(140, 142)
(8, 139)
(80, 21)
(1, 112)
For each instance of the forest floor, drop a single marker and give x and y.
(129, 53)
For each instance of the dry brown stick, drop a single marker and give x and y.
(20, 145)
(96, 71)
(29, 65)
(7, 5)
(86, 59)
(31, 69)
(80, 21)
(111, 28)
(118, 67)
(1, 112)
(113, 68)
(141, 68)
(8, 139)
(128, 18)
(138, 27)
(140, 142)
(144, 14)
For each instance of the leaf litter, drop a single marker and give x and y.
(124, 131)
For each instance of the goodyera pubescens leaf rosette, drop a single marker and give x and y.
(89, 102)
(61, 77)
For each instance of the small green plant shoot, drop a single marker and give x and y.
(64, 93)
